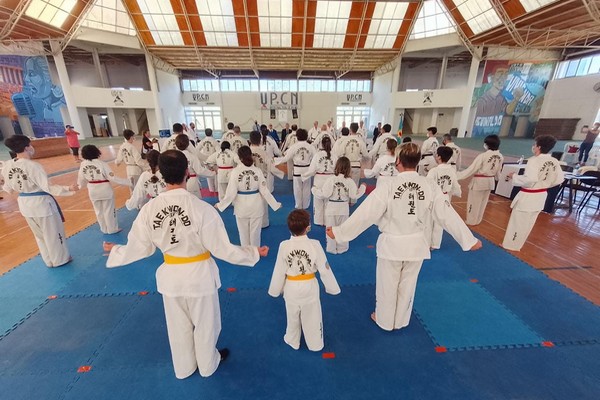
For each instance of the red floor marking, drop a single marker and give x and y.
(84, 368)
(370, 188)
(144, 293)
(53, 297)
(370, 246)
(474, 280)
(548, 344)
(208, 193)
(328, 355)
(231, 289)
(441, 349)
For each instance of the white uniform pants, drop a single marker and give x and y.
(334, 247)
(436, 236)
(290, 170)
(302, 192)
(212, 183)
(519, 227)
(193, 186)
(222, 190)
(395, 291)
(193, 325)
(133, 179)
(265, 217)
(50, 236)
(476, 203)
(303, 310)
(355, 175)
(426, 164)
(249, 229)
(106, 215)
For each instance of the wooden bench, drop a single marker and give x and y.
(50, 147)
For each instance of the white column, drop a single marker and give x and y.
(396, 76)
(434, 116)
(65, 83)
(464, 116)
(99, 68)
(113, 123)
(154, 89)
(443, 69)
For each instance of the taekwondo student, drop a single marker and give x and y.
(486, 170)
(302, 154)
(443, 175)
(298, 259)
(313, 132)
(169, 143)
(247, 190)
(237, 140)
(542, 171)
(205, 148)
(132, 157)
(225, 160)
(149, 185)
(321, 167)
(36, 204)
(318, 142)
(379, 147)
(385, 166)
(403, 208)
(352, 146)
(456, 160)
(230, 133)
(290, 140)
(428, 149)
(97, 176)
(195, 167)
(189, 232)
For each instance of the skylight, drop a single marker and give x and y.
(275, 22)
(532, 5)
(385, 24)
(52, 12)
(331, 23)
(109, 15)
(432, 21)
(479, 14)
(161, 22)
(218, 22)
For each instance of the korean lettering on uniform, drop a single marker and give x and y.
(172, 214)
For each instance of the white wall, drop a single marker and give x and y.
(443, 98)
(424, 76)
(83, 74)
(100, 97)
(572, 98)
(128, 75)
(169, 98)
(456, 76)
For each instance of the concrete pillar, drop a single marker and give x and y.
(113, 122)
(442, 72)
(464, 116)
(61, 68)
(434, 116)
(154, 89)
(396, 77)
(99, 68)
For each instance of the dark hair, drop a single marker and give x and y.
(255, 138)
(406, 139)
(447, 137)
(177, 127)
(90, 152)
(391, 145)
(245, 155)
(326, 143)
(263, 127)
(298, 220)
(354, 127)
(345, 131)
(225, 145)
(230, 125)
(492, 142)
(182, 142)
(128, 133)
(343, 166)
(237, 129)
(545, 143)
(152, 158)
(173, 166)
(264, 132)
(445, 153)
(409, 155)
(17, 143)
(387, 128)
(208, 132)
(433, 129)
(302, 135)
(294, 127)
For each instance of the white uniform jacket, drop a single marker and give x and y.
(429, 147)
(403, 207)
(317, 142)
(227, 136)
(486, 168)
(207, 147)
(353, 147)
(321, 167)
(237, 142)
(301, 153)
(301, 256)
(225, 161)
(380, 147)
(339, 190)
(313, 133)
(27, 176)
(456, 159)
(145, 189)
(97, 176)
(246, 190)
(541, 172)
(182, 225)
(290, 140)
(195, 167)
(444, 175)
(384, 166)
(132, 157)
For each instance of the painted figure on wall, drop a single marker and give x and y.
(47, 97)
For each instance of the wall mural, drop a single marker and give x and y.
(26, 89)
(510, 99)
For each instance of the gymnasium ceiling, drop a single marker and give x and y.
(303, 35)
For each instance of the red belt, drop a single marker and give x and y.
(104, 181)
(193, 175)
(533, 190)
(225, 167)
(483, 176)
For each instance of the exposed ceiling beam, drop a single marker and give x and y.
(347, 66)
(252, 63)
(203, 64)
(14, 18)
(75, 26)
(301, 66)
(507, 21)
(593, 8)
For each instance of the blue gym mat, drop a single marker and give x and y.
(509, 333)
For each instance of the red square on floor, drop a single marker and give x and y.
(231, 289)
(144, 293)
(53, 297)
(547, 344)
(84, 368)
(328, 355)
(441, 349)
(474, 280)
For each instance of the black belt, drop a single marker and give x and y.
(301, 166)
(426, 155)
(452, 163)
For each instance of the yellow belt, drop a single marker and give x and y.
(301, 277)
(169, 259)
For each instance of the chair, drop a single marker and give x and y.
(591, 188)
(571, 153)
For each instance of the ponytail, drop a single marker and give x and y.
(152, 158)
(326, 143)
(245, 155)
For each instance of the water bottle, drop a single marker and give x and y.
(521, 160)
(576, 170)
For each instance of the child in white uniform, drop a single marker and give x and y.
(443, 175)
(353, 147)
(149, 185)
(321, 167)
(338, 191)
(318, 142)
(456, 160)
(486, 170)
(385, 166)
(36, 204)
(237, 140)
(224, 160)
(195, 168)
(403, 208)
(290, 140)
(302, 154)
(380, 146)
(247, 190)
(541, 172)
(205, 148)
(189, 232)
(132, 157)
(98, 176)
(428, 151)
(298, 259)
